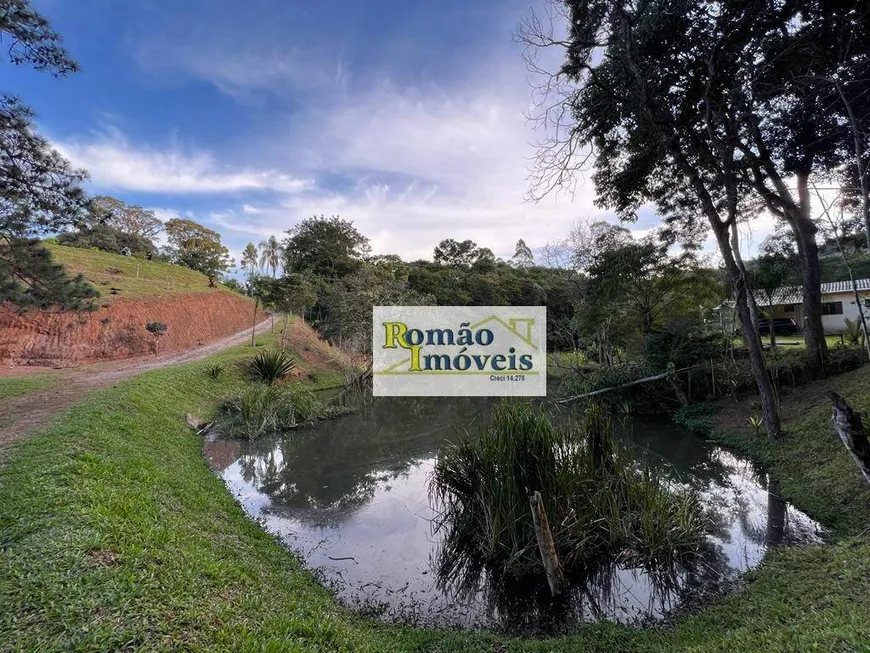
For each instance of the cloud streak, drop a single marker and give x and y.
(117, 164)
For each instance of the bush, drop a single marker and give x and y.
(271, 365)
(697, 418)
(215, 371)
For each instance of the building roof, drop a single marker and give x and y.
(794, 294)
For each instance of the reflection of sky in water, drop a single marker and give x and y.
(361, 514)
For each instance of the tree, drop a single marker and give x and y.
(32, 39)
(271, 254)
(291, 293)
(523, 255)
(39, 190)
(326, 247)
(773, 271)
(198, 248)
(649, 88)
(644, 278)
(455, 253)
(126, 218)
(249, 260)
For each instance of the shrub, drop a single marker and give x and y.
(854, 334)
(697, 418)
(215, 370)
(271, 365)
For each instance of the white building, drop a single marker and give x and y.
(838, 303)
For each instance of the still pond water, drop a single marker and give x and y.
(351, 497)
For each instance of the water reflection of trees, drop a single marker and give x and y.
(323, 474)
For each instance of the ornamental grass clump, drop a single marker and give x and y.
(605, 510)
(271, 365)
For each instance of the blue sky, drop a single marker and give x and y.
(406, 117)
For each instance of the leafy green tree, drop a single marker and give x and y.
(126, 218)
(523, 256)
(328, 248)
(456, 253)
(250, 259)
(40, 191)
(660, 93)
(271, 254)
(198, 248)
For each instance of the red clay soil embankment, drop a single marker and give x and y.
(60, 339)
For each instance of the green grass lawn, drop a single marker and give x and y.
(132, 277)
(116, 536)
(16, 386)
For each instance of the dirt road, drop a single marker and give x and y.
(22, 415)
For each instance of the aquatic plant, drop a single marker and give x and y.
(271, 365)
(261, 409)
(605, 509)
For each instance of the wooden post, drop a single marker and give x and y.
(851, 432)
(546, 546)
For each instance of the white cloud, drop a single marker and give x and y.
(116, 163)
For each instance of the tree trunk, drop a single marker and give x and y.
(254, 323)
(546, 546)
(766, 391)
(805, 230)
(284, 331)
(770, 325)
(851, 432)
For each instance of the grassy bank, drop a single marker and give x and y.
(116, 536)
(15, 386)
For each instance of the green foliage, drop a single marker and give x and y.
(156, 328)
(177, 543)
(329, 248)
(262, 409)
(29, 278)
(107, 239)
(271, 254)
(32, 40)
(215, 370)
(854, 334)
(130, 220)
(602, 508)
(271, 365)
(697, 418)
(198, 248)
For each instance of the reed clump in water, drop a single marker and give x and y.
(605, 509)
(261, 409)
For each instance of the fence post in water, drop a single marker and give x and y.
(851, 432)
(546, 545)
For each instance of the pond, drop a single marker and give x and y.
(351, 496)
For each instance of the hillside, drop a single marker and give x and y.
(117, 276)
(132, 293)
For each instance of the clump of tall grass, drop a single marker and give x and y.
(262, 409)
(271, 365)
(215, 370)
(605, 509)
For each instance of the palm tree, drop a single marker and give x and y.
(270, 254)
